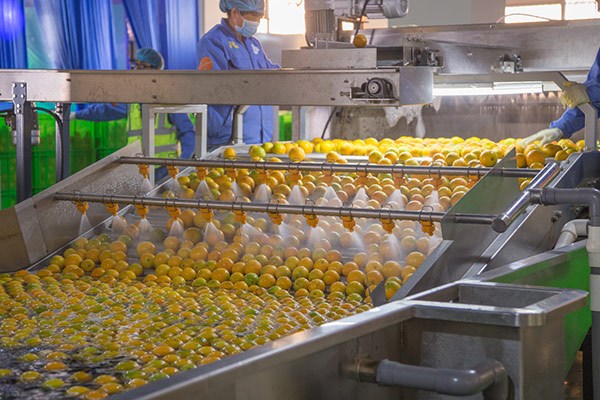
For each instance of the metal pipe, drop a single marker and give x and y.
(329, 167)
(276, 208)
(571, 231)
(596, 353)
(514, 209)
(587, 196)
(489, 377)
(593, 249)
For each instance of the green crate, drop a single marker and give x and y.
(285, 126)
(8, 170)
(101, 153)
(111, 134)
(9, 198)
(43, 169)
(82, 158)
(47, 127)
(5, 137)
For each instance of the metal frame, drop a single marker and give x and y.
(412, 85)
(365, 168)
(149, 113)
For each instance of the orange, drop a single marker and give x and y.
(391, 287)
(297, 154)
(255, 152)
(356, 276)
(415, 259)
(266, 281)
(229, 153)
(488, 158)
(535, 156)
(279, 148)
(375, 156)
(360, 41)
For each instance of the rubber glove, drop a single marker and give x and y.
(574, 95)
(546, 136)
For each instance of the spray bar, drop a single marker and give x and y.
(330, 167)
(275, 208)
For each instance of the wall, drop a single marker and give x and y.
(451, 12)
(212, 14)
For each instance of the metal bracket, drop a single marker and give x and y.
(509, 64)
(63, 141)
(23, 126)
(591, 126)
(238, 124)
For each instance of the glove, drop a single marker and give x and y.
(546, 136)
(575, 94)
(73, 116)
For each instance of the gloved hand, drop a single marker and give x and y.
(574, 95)
(73, 116)
(546, 136)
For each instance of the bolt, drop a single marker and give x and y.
(22, 85)
(557, 215)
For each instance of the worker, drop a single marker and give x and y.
(231, 45)
(145, 58)
(574, 95)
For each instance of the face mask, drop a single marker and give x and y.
(248, 28)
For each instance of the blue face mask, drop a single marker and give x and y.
(248, 28)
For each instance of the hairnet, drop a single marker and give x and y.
(257, 6)
(151, 57)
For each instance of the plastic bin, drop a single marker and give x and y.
(43, 169)
(9, 198)
(285, 126)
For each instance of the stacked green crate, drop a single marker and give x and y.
(83, 145)
(110, 137)
(83, 154)
(43, 155)
(285, 126)
(8, 167)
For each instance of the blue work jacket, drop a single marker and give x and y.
(220, 49)
(573, 119)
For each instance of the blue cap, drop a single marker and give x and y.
(151, 57)
(257, 6)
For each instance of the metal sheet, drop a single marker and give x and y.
(38, 226)
(490, 195)
(352, 58)
(274, 87)
(60, 221)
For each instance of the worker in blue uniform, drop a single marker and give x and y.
(145, 58)
(231, 45)
(573, 96)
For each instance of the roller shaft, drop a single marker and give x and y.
(275, 208)
(330, 167)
